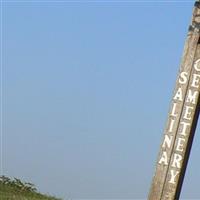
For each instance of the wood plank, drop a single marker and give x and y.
(181, 123)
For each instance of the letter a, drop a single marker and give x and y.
(163, 158)
(179, 95)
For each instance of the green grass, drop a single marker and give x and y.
(17, 190)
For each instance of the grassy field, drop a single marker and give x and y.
(17, 190)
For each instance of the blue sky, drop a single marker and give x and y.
(86, 91)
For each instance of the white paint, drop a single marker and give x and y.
(177, 161)
(180, 144)
(184, 129)
(195, 80)
(179, 95)
(163, 158)
(173, 176)
(187, 113)
(167, 141)
(171, 125)
(192, 96)
(183, 78)
(197, 65)
(174, 110)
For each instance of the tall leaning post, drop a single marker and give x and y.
(182, 119)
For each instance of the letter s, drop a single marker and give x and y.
(183, 77)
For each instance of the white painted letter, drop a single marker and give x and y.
(173, 110)
(179, 95)
(197, 65)
(187, 113)
(191, 98)
(173, 176)
(177, 161)
(163, 158)
(171, 125)
(195, 80)
(167, 141)
(185, 125)
(179, 146)
(183, 78)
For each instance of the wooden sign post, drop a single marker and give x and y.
(183, 115)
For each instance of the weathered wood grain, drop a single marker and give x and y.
(181, 123)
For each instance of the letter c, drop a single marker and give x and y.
(197, 65)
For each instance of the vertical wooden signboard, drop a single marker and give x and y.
(182, 119)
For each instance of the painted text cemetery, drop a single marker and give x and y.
(183, 115)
